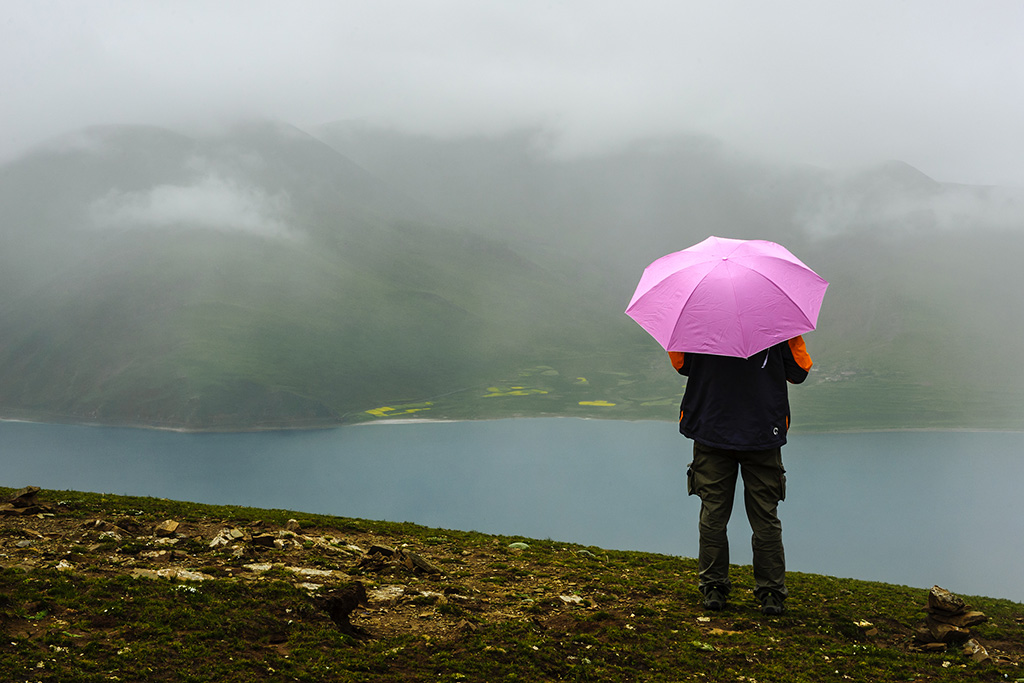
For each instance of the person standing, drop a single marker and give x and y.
(736, 411)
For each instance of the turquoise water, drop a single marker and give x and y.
(914, 508)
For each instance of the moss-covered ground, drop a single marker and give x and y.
(90, 590)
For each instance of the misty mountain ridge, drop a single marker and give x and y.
(261, 276)
(697, 185)
(272, 170)
(256, 278)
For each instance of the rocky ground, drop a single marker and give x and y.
(435, 589)
(382, 583)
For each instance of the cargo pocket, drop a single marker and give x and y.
(691, 485)
(782, 483)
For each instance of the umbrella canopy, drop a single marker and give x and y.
(727, 297)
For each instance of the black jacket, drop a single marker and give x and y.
(740, 403)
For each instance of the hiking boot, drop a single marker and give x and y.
(714, 599)
(771, 604)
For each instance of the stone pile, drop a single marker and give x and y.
(948, 623)
(23, 503)
(380, 555)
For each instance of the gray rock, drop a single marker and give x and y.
(976, 651)
(962, 620)
(414, 562)
(946, 633)
(265, 540)
(167, 528)
(942, 600)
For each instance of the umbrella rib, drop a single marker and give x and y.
(701, 281)
(774, 285)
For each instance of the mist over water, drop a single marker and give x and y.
(914, 508)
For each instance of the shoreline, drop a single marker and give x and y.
(414, 421)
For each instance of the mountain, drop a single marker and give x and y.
(637, 202)
(255, 278)
(920, 326)
(259, 276)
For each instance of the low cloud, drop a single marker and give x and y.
(946, 207)
(213, 202)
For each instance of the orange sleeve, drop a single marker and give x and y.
(800, 355)
(677, 358)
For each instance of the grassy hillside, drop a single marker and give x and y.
(919, 332)
(348, 306)
(259, 278)
(91, 590)
(222, 330)
(919, 327)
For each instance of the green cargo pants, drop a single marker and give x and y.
(712, 476)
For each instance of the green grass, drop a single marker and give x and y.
(638, 617)
(643, 386)
(220, 332)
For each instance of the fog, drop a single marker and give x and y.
(484, 181)
(211, 202)
(937, 85)
(904, 199)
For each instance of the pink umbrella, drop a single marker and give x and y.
(727, 297)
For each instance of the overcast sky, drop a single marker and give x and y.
(936, 83)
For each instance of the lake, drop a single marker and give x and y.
(913, 508)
